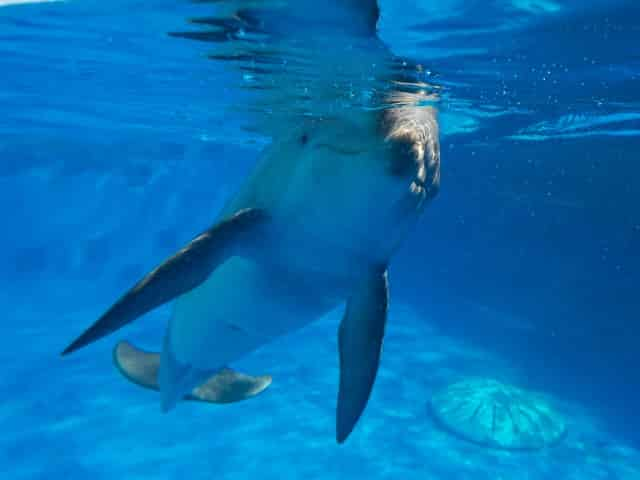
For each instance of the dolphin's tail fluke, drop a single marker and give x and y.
(227, 386)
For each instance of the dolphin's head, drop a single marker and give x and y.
(412, 135)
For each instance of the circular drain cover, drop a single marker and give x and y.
(493, 414)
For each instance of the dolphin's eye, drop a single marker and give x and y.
(403, 160)
(304, 139)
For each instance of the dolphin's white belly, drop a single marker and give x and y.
(240, 307)
(319, 243)
(333, 213)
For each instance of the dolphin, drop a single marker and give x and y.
(315, 225)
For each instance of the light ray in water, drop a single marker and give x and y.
(8, 3)
(583, 125)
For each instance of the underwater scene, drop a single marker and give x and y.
(348, 239)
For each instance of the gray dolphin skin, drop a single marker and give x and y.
(314, 226)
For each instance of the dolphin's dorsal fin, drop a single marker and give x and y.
(360, 343)
(179, 274)
(227, 386)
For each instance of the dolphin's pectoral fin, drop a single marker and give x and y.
(177, 275)
(360, 343)
(227, 386)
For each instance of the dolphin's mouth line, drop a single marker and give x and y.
(340, 150)
(237, 328)
(249, 333)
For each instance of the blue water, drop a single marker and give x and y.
(117, 145)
